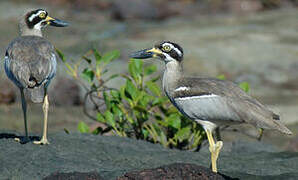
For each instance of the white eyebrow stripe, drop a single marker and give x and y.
(35, 15)
(173, 47)
(183, 88)
(197, 97)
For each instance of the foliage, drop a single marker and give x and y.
(138, 109)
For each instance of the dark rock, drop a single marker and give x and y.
(74, 176)
(113, 157)
(65, 92)
(177, 171)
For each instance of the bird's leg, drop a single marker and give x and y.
(26, 138)
(45, 108)
(214, 149)
(261, 131)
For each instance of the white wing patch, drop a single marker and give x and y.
(183, 88)
(198, 97)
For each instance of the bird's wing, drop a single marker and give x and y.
(31, 61)
(219, 100)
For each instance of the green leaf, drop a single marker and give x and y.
(221, 77)
(110, 119)
(140, 109)
(153, 88)
(83, 127)
(66, 131)
(245, 86)
(100, 118)
(163, 139)
(107, 100)
(138, 65)
(109, 56)
(135, 69)
(132, 71)
(131, 89)
(183, 133)
(115, 94)
(150, 70)
(97, 56)
(88, 75)
(61, 55)
(88, 60)
(145, 99)
(145, 133)
(116, 110)
(174, 121)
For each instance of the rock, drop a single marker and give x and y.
(112, 157)
(65, 91)
(244, 6)
(135, 9)
(173, 171)
(7, 92)
(293, 144)
(74, 176)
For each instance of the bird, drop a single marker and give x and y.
(210, 102)
(30, 63)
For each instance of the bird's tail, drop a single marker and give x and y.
(36, 94)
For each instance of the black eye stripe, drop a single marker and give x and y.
(36, 19)
(32, 23)
(176, 51)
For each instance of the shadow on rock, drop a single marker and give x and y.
(14, 136)
(174, 171)
(74, 176)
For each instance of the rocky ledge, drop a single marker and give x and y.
(85, 156)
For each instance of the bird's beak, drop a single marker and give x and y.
(146, 53)
(56, 22)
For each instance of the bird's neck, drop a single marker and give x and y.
(30, 32)
(24, 30)
(173, 72)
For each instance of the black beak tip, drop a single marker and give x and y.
(143, 54)
(59, 23)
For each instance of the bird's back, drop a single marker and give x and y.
(219, 100)
(30, 62)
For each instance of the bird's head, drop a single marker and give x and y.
(166, 51)
(38, 19)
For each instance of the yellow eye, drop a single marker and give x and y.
(42, 15)
(167, 48)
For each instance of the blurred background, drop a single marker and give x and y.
(246, 40)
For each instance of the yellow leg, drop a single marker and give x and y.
(45, 108)
(214, 149)
(261, 131)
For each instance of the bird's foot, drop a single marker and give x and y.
(43, 141)
(22, 139)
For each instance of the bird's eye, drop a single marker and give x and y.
(167, 48)
(42, 15)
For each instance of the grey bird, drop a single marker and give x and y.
(208, 101)
(30, 62)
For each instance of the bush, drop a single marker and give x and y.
(138, 109)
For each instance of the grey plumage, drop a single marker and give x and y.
(31, 64)
(208, 101)
(230, 105)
